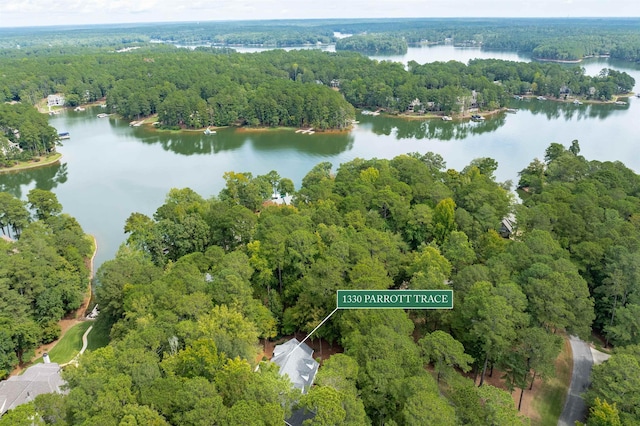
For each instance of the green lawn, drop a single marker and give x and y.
(549, 402)
(70, 344)
(44, 161)
(99, 336)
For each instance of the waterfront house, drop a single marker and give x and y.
(55, 100)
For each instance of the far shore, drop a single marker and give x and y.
(570, 61)
(571, 99)
(455, 117)
(41, 162)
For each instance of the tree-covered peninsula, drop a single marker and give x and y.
(373, 44)
(24, 134)
(212, 87)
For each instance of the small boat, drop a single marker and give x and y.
(637, 95)
(209, 131)
(446, 118)
(620, 103)
(518, 97)
(577, 102)
(103, 115)
(78, 108)
(64, 135)
(477, 117)
(541, 98)
(512, 110)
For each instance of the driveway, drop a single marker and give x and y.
(574, 407)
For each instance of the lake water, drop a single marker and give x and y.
(110, 169)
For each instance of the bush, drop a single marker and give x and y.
(50, 331)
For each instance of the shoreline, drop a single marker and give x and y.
(584, 101)
(457, 117)
(559, 61)
(570, 61)
(27, 165)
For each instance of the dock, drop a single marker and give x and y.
(308, 131)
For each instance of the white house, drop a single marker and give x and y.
(296, 361)
(55, 100)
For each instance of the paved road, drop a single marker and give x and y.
(574, 406)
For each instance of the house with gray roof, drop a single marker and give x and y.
(296, 361)
(36, 380)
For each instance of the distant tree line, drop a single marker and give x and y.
(557, 38)
(212, 87)
(373, 44)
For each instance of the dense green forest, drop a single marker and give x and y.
(24, 133)
(373, 44)
(212, 87)
(614, 396)
(202, 280)
(43, 274)
(556, 39)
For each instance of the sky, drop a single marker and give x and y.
(19, 13)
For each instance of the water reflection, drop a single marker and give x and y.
(431, 128)
(189, 144)
(44, 178)
(569, 111)
(231, 139)
(318, 144)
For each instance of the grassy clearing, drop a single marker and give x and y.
(43, 161)
(99, 336)
(549, 402)
(69, 345)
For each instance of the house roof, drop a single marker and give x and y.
(279, 199)
(296, 361)
(508, 222)
(36, 380)
(299, 416)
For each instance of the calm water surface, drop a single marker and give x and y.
(110, 170)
